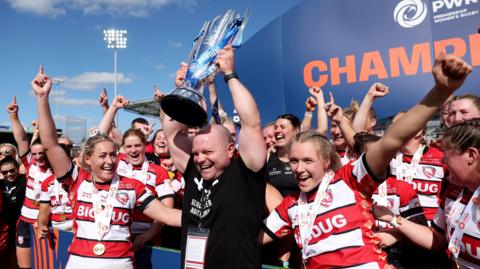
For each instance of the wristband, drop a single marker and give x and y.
(308, 114)
(285, 264)
(229, 76)
(396, 221)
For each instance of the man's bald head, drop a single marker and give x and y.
(218, 132)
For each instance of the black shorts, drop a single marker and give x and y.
(23, 234)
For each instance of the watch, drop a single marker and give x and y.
(229, 76)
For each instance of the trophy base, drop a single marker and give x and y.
(184, 110)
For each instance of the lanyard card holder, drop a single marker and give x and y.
(196, 248)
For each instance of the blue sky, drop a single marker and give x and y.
(66, 36)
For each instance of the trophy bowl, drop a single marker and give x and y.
(186, 106)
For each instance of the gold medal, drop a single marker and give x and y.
(63, 217)
(99, 249)
(35, 203)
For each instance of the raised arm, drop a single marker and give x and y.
(251, 144)
(449, 73)
(103, 101)
(361, 118)
(336, 114)
(179, 145)
(58, 158)
(322, 118)
(212, 95)
(310, 105)
(105, 125)
(18, 132)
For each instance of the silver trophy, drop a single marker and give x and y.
(186, 104)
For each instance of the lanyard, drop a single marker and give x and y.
(405, 172)
(382, 194)
(103, 216)
(307, 214)
(461, 220)
(125, 169)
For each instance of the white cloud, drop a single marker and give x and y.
(73, 101)
(134, 8)
(93, 80)
(49, 8)
(174, 44)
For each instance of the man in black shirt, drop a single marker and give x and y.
(224, 193)
(13, 192)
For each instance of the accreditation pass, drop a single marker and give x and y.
(196, 248)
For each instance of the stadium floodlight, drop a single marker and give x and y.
(115, 39)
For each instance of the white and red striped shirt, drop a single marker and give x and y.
(401, 199)
(157, 181)
(469, 255)
(342, 234)
(35, 176)
(427, 180)
(131, 194)
(57, 196)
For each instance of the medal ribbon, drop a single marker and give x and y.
(460, 221)
(62, 201)
(382, 194)
(103, 216)
(307, 214)
(402, 172)
(125, 169)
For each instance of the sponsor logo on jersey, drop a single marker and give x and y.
(425, 187)
(86, 211)
(328, 225)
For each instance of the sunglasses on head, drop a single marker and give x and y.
(5, 152)
(5, 172)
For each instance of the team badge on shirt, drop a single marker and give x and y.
(429, 171)
(327, 199)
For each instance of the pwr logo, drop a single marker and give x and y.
(439, 5)
(410, 13)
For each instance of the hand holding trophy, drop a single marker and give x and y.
(186, 103)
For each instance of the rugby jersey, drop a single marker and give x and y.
(401, 200)
(342, 234)
(470, 246)
(427, 178)
(158, 182)
(131, 194)
(35, 176)
(61, 209)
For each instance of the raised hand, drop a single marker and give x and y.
(120, 102)
(378, 90)
(12, 108)
(181, 74)
(310, 104)
(318, 94)
(226, 60)
(334, 112)
(103, 99)
(41, 84)
(157, 93)
(450, 72)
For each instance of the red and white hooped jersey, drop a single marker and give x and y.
(35, 176)
(470, 246)
(427, 179)
(61, 209)
(401, 199)
(131, 194)
(342, 234)
(158, 183)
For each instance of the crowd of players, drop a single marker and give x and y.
(218, 192)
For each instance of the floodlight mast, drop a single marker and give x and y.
(115, 39)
